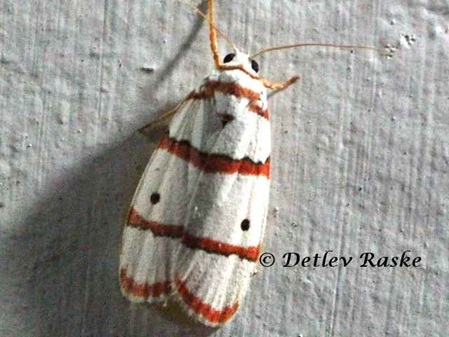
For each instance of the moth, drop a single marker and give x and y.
(196, 222)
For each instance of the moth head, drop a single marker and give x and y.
(239, 59)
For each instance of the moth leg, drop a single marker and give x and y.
(279, 85)
(232, 67)
(164, 116)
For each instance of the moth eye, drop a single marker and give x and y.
(245, 225)
(255, 66)
(228, 58)
(154, 198)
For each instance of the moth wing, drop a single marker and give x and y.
(226, 221)
(214, 269)
(152, 233)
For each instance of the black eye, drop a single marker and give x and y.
(228, 58)
(255, 66)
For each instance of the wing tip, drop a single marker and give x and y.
(202, 311)
(193, 306)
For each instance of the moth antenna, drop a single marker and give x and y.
(341, 46)
(213, 29)
(213, 33)
(283, 85)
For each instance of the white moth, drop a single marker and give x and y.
(197, 219)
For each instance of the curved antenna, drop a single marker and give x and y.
(210, 20)
(342, 46)
(213, 34)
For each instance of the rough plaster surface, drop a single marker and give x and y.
(361, 161)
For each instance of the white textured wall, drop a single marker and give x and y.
(361, 161)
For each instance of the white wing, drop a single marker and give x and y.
(210, 178)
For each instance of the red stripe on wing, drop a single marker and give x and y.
(203, 309)
(230, 88)
(213, 163)
(137, 221)
(218, 247)
(144, 290)
(206, 244)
